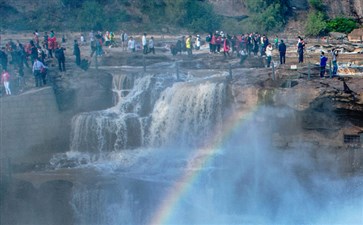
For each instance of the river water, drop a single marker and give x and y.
(181, 153)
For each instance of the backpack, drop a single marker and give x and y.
(208, 38)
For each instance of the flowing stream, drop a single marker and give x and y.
(180, 153)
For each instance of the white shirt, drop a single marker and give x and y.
(144, 42)
(131, 44)
(269, 51)
(38, 65)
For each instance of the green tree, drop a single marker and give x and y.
(315, 24)
(341, 24)
(91, 16)
(267, 15)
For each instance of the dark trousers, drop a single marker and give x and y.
(145, 49)
(78, 59)
(322, 71)
(301, 56)
(43, 77)
(37, 78)
(152, 50)
(282, 58)
(268, 58)
(61, 63)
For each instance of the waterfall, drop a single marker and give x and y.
(187, 113)
(156, 111)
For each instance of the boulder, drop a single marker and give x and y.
(337, 35)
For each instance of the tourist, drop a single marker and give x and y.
(5, 80)
(36, 38)
(144, 43)
(300, 49)
(188, 45)
(45, 41)
(213, 44)
(83, 40)
(282, 51)
(226, 47)
(52, 44)
(77, 53)
(334, 54)
(38, 69)
(59, 54)
(33, 51)
(131, 44)
(208, 40)
(197, 42)
(151, 45)
(124, 39)
(268, 53)
(276, 41)
(323, 60)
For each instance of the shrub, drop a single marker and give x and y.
(315, 24)
(267, 15)
(317, 5)
(341, 24)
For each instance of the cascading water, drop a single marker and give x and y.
(196, 161)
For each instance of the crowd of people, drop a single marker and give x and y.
(37, 51)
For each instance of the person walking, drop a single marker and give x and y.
(282, 51)
(5, 80)
(323, 60)
(77, 53)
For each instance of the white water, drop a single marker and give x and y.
(245, 181)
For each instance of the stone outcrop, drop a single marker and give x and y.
(37, 122)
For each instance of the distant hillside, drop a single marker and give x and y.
(161, 15)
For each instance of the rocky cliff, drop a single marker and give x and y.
(348, 8)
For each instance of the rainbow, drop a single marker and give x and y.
(185, 182)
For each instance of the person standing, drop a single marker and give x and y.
(38, 68)
(276, 41)
(334, 54)
(124, 39)
(131, 44)
(300, 49)
(197, 42)
(151, 45)
(323, 60)
(77, 53)
(144, 43)
(5, 79)
(282, 51)
(188, 45)
(59, 54)
(269, 54)
(226, 47)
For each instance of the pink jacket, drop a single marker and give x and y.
(5, 77)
